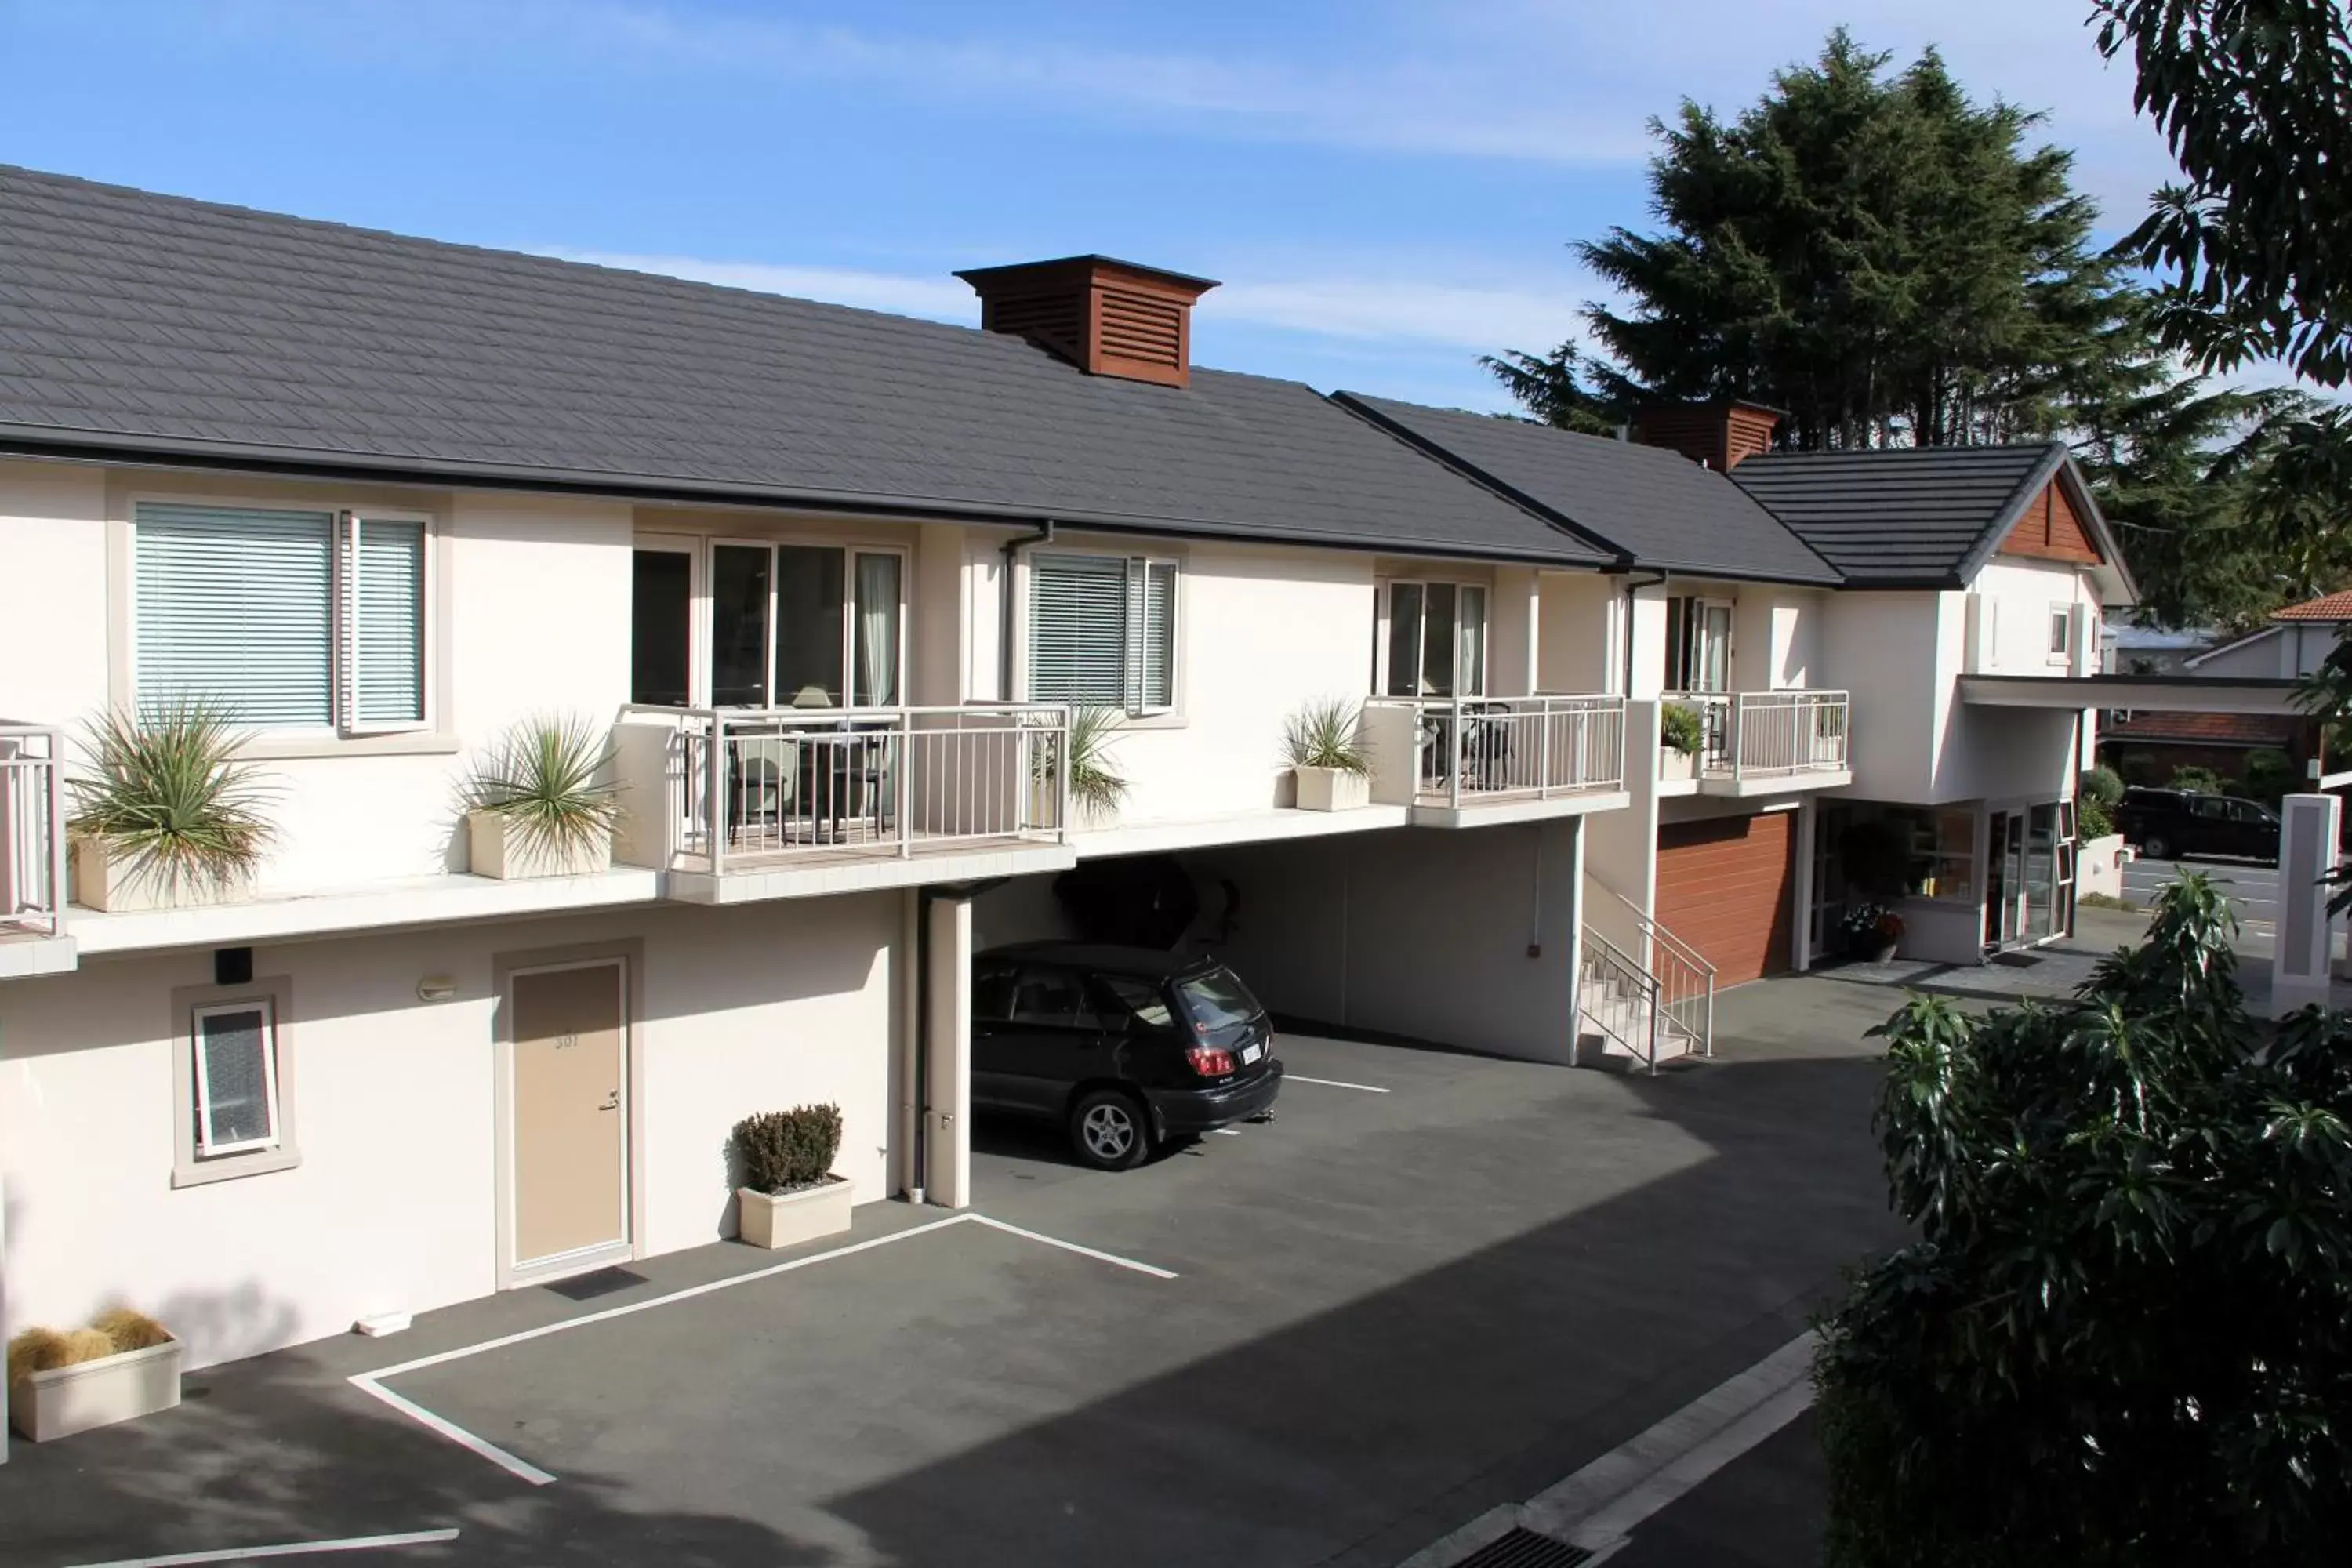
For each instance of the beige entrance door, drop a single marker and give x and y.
(571, 1144)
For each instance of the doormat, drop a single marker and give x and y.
(2016, 960)
(1524, 1548)
(596, 1282)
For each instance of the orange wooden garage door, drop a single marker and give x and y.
(1726, 886)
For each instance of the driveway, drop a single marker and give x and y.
(1435, 1285)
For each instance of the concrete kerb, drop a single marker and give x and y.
(373, 1382)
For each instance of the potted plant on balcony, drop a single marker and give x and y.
(1324, 744)
(124, 1365)
(789, 1193)
(1680, 735)
(540, 802)
(166, 816)
(1097, 789)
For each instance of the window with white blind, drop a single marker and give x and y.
(1102, 632)
(289, 619)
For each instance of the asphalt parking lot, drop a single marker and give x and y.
(1437, 1284)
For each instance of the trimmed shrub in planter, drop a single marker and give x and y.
(788, 1193)
(124, 1366)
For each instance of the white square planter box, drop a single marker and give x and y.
(772, 1220)
(50, 1405)
(495, 849)
(1676, 767)
(1331, 789)
(108, 880)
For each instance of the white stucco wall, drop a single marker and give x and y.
(1579, 644)
(1466, 937)
(1897, 653)
(393, 1207)
(2025, 591)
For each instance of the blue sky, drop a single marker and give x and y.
(1387, 188)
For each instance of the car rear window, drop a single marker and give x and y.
(1217, 999)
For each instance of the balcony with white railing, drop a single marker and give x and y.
(741, 804)
(1761, 743)
(1461, 762)
(32, 850)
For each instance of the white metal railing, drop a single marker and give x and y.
(1619, 996)
(808, 782)
(1474, 748)
(1685, 980)
(32, 828)
(1769, 734)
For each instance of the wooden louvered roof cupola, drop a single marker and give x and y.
(1107, 317)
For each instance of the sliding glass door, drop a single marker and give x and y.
(804, 625)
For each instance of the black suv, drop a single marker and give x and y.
(1124, 1046)
(2171, 824)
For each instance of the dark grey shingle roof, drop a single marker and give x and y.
(1913, 516)
(152, 323)
(1650, 504)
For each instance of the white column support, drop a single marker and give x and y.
(947, 1115)
(2300, 961)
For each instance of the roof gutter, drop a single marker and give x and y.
(51, 444)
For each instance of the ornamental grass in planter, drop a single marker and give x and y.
(166, 816)
(540, 802)
(1680, 734)
(1098, 789)
(1324, 744)
(789, 1193)
(124, 1366)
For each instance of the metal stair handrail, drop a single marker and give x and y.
(1687, 985)
(1602, 962)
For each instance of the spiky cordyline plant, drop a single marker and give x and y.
(1327, 733)
(545, 778)
(165, 792)
(1094, 782)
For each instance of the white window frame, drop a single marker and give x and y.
(2061, 632)
(706, 611)
(1387, 620)
(205, 1148)
(350, 528)
(1138, 568)
(698, 610)
(342, 616)
(196, 1160)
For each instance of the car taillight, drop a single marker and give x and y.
(1211, 1061)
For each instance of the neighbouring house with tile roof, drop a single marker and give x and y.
(834, 588)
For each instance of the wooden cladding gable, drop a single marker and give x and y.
(2051, 530)
(1108, 317)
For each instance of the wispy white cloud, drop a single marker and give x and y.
(1385, 309)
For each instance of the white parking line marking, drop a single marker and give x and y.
(371, 1382)
(1156, 1273)
(1332, 1083)
(291, 1549)
(1226, 1131)
(521, 1469)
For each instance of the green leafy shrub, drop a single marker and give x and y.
(1678, 726)
(2124, 1335)
(2204, 781)
(1327, 733)
(2269, 775)
(783, 1150)
(167, 792)
(2096, 794)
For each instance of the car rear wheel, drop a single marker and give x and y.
(2156, 846)
(1109, 1130)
